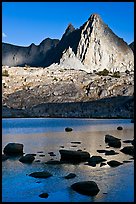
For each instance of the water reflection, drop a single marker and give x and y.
(111, 181)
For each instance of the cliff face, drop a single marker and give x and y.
(91, 47)
(32, 55)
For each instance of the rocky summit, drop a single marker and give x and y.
(88, 73)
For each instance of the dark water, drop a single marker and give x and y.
(116, 184)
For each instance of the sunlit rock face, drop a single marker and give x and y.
(99, 48)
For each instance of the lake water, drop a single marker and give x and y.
(46, 135)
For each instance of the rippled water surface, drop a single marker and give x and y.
(46, 135)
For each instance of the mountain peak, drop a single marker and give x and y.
(94, 16)
(70, 28)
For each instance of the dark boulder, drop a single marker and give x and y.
(70, 176)
(128, 150)
(28, 158)
(107, 152)
(101, 150)
(74, 156)
(114, 163)
(44, 195)
(119, 128)
(111, 152)
(13, 149)
(4, 157)
(113, 141)
(86, 188)
(68, 129)
(42, 174)
(95, 160)
(116, 144)
(109, 138)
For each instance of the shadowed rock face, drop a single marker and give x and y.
(32, 55)
(131, 45)
(93, 44)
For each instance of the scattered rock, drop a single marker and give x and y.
(111, 152)
(113, 141)
(44, 195)
(86, 188)
(68, 129)
(51, 154)
(41, 155)
(70, 176)
(102, 164)
(119, 128)
(95, 160)
(101, 151)
(42, 174)
(74, 156)
(129, 141)
(116, 144)
(28, 158)
(76, 142)
(109, 138)
(114, 163)
(107, 152)
(128, 150)
(13, 149)
(127, 161)
(4, 157)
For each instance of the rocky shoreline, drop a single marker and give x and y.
(116, 107)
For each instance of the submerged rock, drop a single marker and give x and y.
(13, 149)
(114, 163)
(4, 157)
(74, 156)
(42, 174)
(28, 158)
(86, 188)
(70, 176)
(44, 195)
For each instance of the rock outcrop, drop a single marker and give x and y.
(131, 45)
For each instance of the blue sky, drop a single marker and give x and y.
(24, 23)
